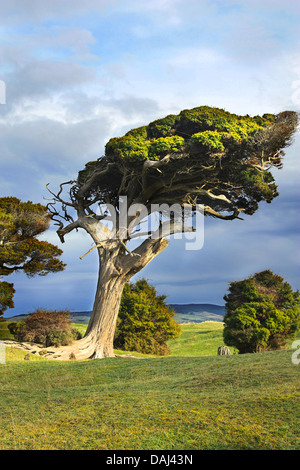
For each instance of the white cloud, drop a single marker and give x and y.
(193, 57)
(19, 11)
(43, 77)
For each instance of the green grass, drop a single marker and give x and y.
(180, 402)
(198, 339)
(4, 332)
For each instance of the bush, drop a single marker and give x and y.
(17, 329)
(6, 297)
(262, 313)
(49, 328)
(145, 321)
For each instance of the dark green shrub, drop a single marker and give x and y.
(17, 329)
(262, 313)
(58, 338)
(76, 334)
(145, 321)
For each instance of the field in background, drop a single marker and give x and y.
(195, 313)
(197, 339)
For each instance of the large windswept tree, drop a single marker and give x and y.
(204, 157)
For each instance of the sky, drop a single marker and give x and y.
(74, 74)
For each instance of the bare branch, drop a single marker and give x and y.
(62, 231)
(234, 215)
(51, 209)
(57, 196)
(170, 228)
(128, 251)
(139, 234)
(96, 246)
(222, 197)
(86, 186)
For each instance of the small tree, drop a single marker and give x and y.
(262, 312)
(145, 321)
(20, 224)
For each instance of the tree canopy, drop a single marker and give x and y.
(20, 250)
(204, 155)
(262, 312)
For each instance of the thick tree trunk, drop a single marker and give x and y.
(115, 270)
(102, 325)
(98, 340)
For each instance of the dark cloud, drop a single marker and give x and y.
(46, 151)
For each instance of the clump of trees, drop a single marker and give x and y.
(20, 250)
(145, 322)
(46, 327)
(262, 313)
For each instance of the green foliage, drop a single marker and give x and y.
(21, 220)
(58, 338)
(145, 322)
(129, 147)
(6, 296)
(164, 145)
(20, 224)
(204, 125)
(31, 256)
(261, 184)
(162, 127)
(210, 139)
(139, 132)
(206, 118)
(211, 153)
(262, 313)
(49, 328)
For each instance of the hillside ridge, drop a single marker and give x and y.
(185, 313)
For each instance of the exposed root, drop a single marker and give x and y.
(84, 348)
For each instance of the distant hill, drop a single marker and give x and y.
(185, 313)
(197, 313)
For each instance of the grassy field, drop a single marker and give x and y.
(198, 339)
(184, 401)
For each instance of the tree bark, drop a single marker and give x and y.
(102, 324)
(115, 270)
(98, 340)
